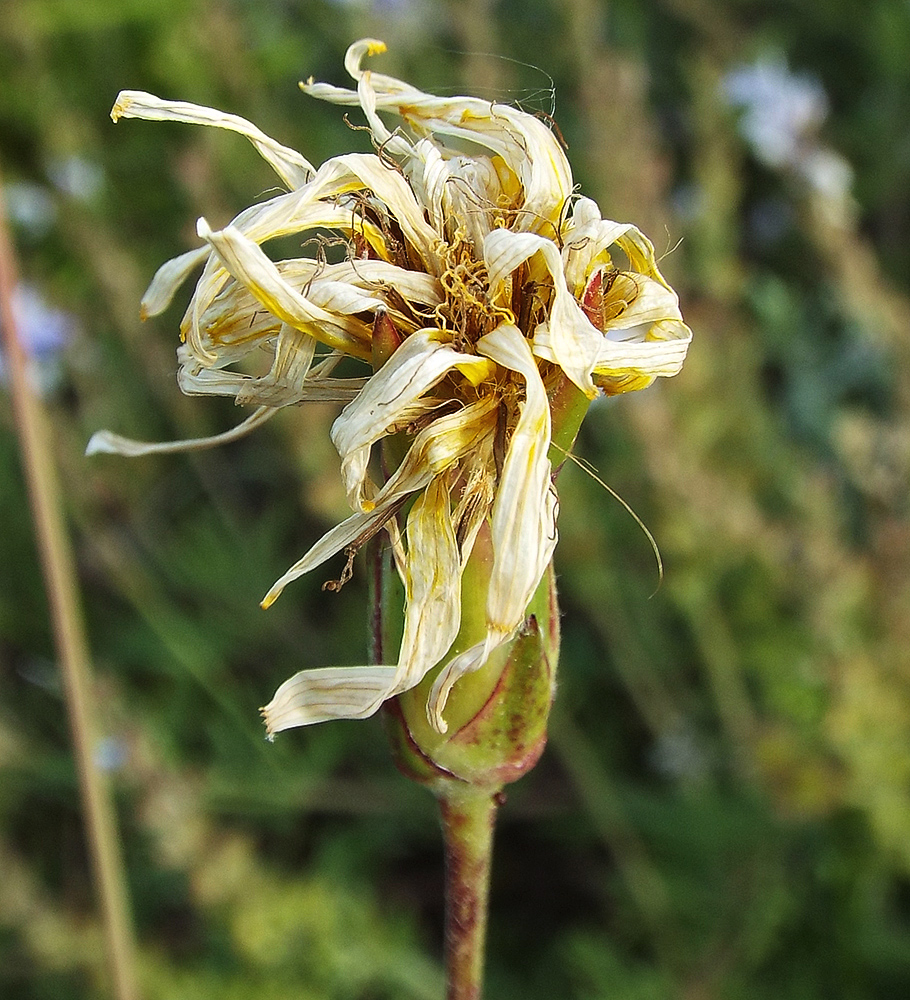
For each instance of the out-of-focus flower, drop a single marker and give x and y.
(782, 110)
(77, 177)
(30, 206)
(111, 753)
(44, 332)
(782, 115)
(478, 289)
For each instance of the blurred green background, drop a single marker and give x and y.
(724, 808)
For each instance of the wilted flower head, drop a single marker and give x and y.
(476, 286)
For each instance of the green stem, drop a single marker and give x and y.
(467, 823)
(568, 407)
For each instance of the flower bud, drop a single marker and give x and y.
(497, 715)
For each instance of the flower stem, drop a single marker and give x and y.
(468, 817)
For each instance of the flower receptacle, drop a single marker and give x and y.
(497, 715)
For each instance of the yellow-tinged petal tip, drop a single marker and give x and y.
(269, 732)
(121, 106)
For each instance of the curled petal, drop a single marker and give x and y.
(290, 166)
(393, 396)
(432, 586)
(574, 342)
(524, 142)
(657, 349)
(327, 693)
(106, 443)
(464, 195)
(435, 449)
(234, 323)
(168, 278)
(650, 302)
(246, 261)
(316, 206)
(432, 617)
(319, 204)
(524, 511)
(194, 380)
(587, 238)
(284, 383)
(358, 526)
(278, 217)
(661, 352)
(354, 172)
(379, 275)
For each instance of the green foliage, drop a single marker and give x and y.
(724, 810)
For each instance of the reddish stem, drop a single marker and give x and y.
(467, 822)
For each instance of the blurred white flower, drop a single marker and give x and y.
(30, 206)
(782, 111)
(77, 177)
(111, 753)
(782, 115)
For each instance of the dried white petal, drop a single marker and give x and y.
(107, 443)
(524, 142)
(290, 166)
(432, 586)
(246, 261)
(327, 693)
(660, 355)
(574, 342)
(394, 396)
(168, 278)
(284, 383)
(524, 517)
